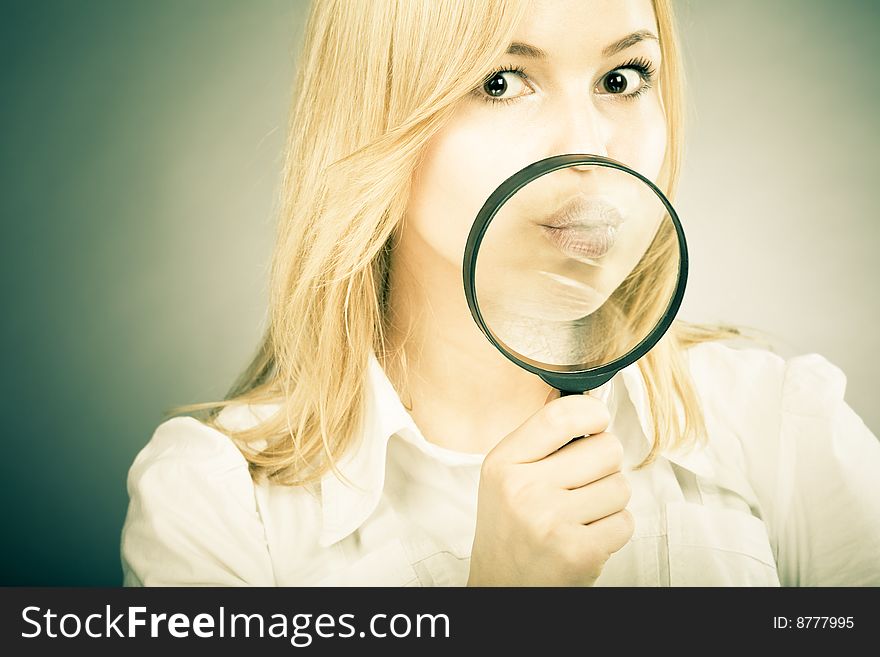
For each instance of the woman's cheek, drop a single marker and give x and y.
(646, 146)
(460, 169)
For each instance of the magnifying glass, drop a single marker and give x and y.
(574, 268)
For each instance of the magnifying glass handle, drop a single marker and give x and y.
(565, 393)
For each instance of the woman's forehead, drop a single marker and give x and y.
(558, 28)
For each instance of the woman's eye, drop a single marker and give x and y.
(623, 82)
(627, 81)
(505, 85)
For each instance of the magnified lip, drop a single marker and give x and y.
(583, 227)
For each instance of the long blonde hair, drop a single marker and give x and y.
(375, 81)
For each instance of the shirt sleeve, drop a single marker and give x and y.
(828, 482)
(192, 518)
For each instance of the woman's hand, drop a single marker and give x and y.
(551, 513)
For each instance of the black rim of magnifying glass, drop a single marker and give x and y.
(574, 380)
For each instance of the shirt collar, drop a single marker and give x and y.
(694, 458)
(345, 507)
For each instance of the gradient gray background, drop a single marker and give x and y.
(140, 147)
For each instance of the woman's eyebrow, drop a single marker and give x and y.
(533, 52)
(627, 41)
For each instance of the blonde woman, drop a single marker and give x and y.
(379, 438)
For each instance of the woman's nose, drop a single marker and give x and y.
(580, 128)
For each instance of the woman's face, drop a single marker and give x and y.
(563, 87)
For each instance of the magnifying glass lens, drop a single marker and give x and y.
(577, 268)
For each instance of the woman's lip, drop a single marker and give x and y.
(582, 242)
(584, 212)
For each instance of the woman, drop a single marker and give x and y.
(379, 438)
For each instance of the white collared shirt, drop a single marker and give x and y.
(786, 492)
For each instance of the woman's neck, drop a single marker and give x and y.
(461, 391)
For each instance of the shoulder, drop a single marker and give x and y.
(186, 445)
(761, 409)
(735, 376)
(810, 460)
(739, 388)
(192, 517)
(723, 362)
